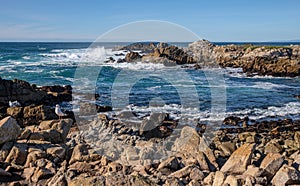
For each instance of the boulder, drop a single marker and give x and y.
(286, 176)
(191, 145)
(9, 129)
(148, 126)
(33, 115)
(239, 159)
(273, 146)
(270, 164)
(57, 132)
(16, 112)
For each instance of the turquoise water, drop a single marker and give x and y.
(56, 63)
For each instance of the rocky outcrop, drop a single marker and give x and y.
(132, 57)
(27, 94)
(171, 54)
(144, 47)
(261, 60)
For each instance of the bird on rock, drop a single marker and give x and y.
(58, 112)
(14, 104)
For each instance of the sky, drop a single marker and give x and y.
(224, 20)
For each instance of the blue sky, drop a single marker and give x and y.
(231, 20)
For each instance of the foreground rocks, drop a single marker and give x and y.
(37, 148)
(54, 152)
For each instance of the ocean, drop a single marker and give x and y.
(161, 90)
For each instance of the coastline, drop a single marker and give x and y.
(38, 148)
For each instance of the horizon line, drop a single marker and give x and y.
(91, 41)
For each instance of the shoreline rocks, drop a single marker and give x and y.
(258, 60)
(261, 60)
(27, 94)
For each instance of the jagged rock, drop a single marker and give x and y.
(5, 149)
(239, 159)
(81, 167)
(171, 163)
(252, 171)
(270, 165)
(78, 152)
(41, 173)
(297, 138)
(227, 148)
(197, 174)
(149, 127)
(182, 172)
(231, 180)
(144, 46)
(209, 180)
(58, 151)
(28, 172)
(286, 176)
(56, 131)
(16, 112)
(190, 144)
(273, 146)
(132, 57)
(219, 178)
(18, 154)
(203, 53)
(250, 137)
(33, 156)
(33, 115)
(89, 181)
(232, 121)
(9, 129)
(59, 179)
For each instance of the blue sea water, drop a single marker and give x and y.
(56, 63)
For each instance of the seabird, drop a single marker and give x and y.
(58, 112)
(14, 104)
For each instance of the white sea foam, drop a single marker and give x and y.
(268, 85)
(26, 57)
(289, 109)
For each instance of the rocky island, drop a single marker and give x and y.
(253, 59)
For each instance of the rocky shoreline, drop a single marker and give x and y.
(254, 60)
(36, 148)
